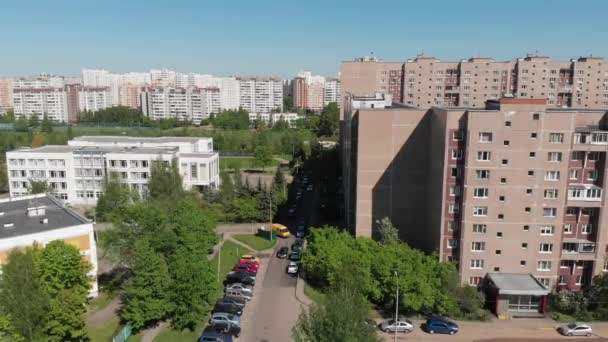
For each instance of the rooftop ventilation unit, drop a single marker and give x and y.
(9, 225)
(36, 211)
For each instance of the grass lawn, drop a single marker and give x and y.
(135, 338)
(230, 255)
(179, 336)
(243, 163)
(105, 332)
(313, 294)
(560, 317)
(101, 301)
(256, 242)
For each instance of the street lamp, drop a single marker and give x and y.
(396, 305)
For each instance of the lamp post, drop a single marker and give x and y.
(396, 305)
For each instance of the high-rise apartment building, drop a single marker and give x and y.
(313, 92)
(184, 104)
(332, 91)
(427, 81)
(128, 95)
(163, 78)
(94, 99)
(40, 101)
(514, 187)
(6, 94)
(260, 94)
(76, 173)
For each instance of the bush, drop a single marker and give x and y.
(567, 302)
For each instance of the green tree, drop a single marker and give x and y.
(34, 120)
(147, 291)
(22, 125)
(387, 232)
(46, 126)
(242, 210)
(3, 177)
(114, 200)
(22, 296)
(329, 120)
(288, 104)
(70, 132)
(232, 119)
(7, 330)
(341, 318)
(38, 187)
(193, 288)
(280, 125)
(279, 187)
(66, 317)
(263, 156)
(165, 182)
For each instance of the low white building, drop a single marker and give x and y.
(42, 219)
(272, 118)
(76, 173)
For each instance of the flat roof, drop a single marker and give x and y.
(94, 149)
(129, 139)
(517, 284)
(15, 212)
(198, 155)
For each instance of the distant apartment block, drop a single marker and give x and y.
(514, 187)
(28, 102)
(260, 94)
(94, 99)
(6, 94)
(185, 104)
(313, 92)
(76, 173)
(427, 81)
(332, 91)
(269, 119)
(42, 219)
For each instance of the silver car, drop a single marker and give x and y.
(576, 329)
(402, 325)
(240, 287)
(223, 317)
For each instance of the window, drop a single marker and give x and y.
(530, 172)
(503, 181)
(547, 230)
(454, 190)
(561, 280)
(499, 234)
(593, 156)
(586, 228)
(567, 228)
(522, 263)
(545, 248)
(527, 209)
(480, 192)
(485, 137)
(535, 116)
(556, 138)
(578, 280)
(479, 228)
(452, 243)
(524, 245)
(544, 265)
(554, 156)
(552, 175)
(455, 172)
(501, 216)
(550, 193)
(506, 142)
(453, 208)
(532, 154)
(484, 155)
(501, 198)
(482, 174)
(592, 175)
(457, 154)
(578, 155)
(480, 211)
(570, 211)
(529, 191)
(573, 174)
(508, 123)
(544, 281)
(474, 280)
(533, 135)
(476, 263)
(549, 212)
(505, 161)
(478, 246)
(452, 225)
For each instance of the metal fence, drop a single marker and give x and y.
(124, 334)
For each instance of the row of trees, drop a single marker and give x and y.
(426, 285)
(587, 305)
(163, 240)
(42, 294)
(238, 201)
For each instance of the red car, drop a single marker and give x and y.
(250, 261)
(250, 264)
(244, 268)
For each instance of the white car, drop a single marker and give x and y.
(403, 325)
(292, 268)
(576, 329)
(239, 287)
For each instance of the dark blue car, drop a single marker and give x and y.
(441, 326)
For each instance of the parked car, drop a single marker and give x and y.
(238, 301)
(297, 249)
(402, 325)
(298, 242)
(295, 256)
(240, 287)
(210, 335)
(240, 277)
(292, 211)
(292, 268)
(238, 293)
(251, 258)
(576, 329)
(251, 264)
(229, 308)
(301, 226)
(441, 325)
(283, 252)
(300, 234)
(244, 268)
(224, 317)
(227, 328)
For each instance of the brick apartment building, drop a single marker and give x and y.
(514, 187)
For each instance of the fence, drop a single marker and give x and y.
(124, 334)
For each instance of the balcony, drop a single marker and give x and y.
(585, 193)
(576, 247)
(591, 138)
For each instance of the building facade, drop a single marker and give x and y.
(94, 99)
(427, 81)
(42, 219)
(260, 94)
(76, 173)
(6, 94)
(515, 187)
(332, 91)
(184, 104)
(269, 119)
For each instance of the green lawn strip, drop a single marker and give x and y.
(243, 163)
(170, 335)
(314, 294)
(135, 338)
(105, 332)
(256, 242)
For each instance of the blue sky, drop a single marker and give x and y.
(261, 37)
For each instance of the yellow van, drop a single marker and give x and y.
(280, 230)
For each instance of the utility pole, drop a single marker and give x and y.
(219, 257)
(270, 212)
(397, 305)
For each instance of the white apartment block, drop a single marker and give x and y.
(261, 94)
(94, 99)
(40, 101)
(43, 81)
(76, 173)
(272, 118)
(332, 90)
(163, 78)
(184, 104)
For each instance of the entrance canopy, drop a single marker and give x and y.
(516, 284)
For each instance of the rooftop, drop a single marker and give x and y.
(15, 212)
(103, 149)
(517, 284)
(127, 139)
